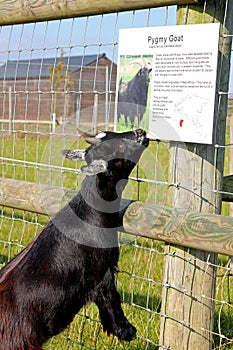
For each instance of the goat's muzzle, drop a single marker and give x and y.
(141, 137)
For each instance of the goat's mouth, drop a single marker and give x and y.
(141, 137)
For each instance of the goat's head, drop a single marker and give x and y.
(112, 153)
(144, 71)
(143, 74)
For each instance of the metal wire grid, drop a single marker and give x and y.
(140, 287)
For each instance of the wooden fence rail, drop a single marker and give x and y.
(208, 232)
(30, 196)
(20, 11)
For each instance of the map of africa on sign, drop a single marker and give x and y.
(182, 91)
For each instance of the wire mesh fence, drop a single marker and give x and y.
(41, 108)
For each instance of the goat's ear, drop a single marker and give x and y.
(96, 167)
(75, 154)
(92, 140)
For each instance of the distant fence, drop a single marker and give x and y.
(175, 288)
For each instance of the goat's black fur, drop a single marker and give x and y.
(73, 260)
(132, 96)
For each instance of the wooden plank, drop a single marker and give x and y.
(208, 232)
(197, 230)
(20, 11)
(30, 196)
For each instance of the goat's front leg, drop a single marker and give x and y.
(111, 314)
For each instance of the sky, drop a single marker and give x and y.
(97, 34)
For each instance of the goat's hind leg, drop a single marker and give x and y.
(111, 314)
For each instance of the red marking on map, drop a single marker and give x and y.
(181, 122)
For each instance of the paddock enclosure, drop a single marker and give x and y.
(58, 69)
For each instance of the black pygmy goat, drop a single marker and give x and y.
(73, 260)
(132, 95)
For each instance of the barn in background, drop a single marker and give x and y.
(67, 87)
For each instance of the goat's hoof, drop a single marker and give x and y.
(127, 334)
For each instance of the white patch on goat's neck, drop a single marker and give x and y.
(78, 154)
(101, 135)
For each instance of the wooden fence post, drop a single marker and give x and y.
(187, 311)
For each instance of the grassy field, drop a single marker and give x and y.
(141, 263)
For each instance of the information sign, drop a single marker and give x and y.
(182, 65)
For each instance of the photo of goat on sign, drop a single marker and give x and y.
(133, 92)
